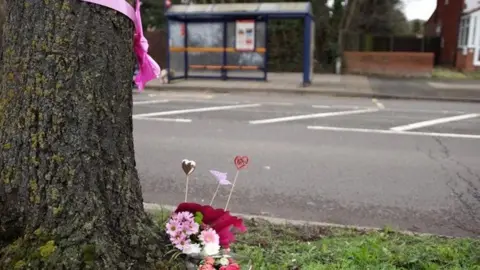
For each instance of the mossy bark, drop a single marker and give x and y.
(2, 19)
(70, 197)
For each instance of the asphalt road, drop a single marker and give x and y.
(411, 165)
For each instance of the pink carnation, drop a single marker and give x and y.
(206, 267)
(209, 260)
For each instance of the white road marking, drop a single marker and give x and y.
(434, 122)
(143, 102)
(378, 103)
(206, 109)
(178, 120)
(278, 103)
(205, 101)
(308, 116)
(186, 95)
(387, 109)
(393, 132)
(340, 107)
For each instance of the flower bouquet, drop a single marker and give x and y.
(203, 233)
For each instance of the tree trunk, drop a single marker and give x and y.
(2, 19)
(70, 197)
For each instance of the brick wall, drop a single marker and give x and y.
(157, 42)
(389, 63)
(447, 16)
(464, 61)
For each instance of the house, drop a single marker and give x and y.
(457, 23)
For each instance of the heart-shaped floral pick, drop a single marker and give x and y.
(241, 162)
(188, 166)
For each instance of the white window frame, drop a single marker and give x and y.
(464, 32)
(476, 39)
(446, 2)
(473, 31)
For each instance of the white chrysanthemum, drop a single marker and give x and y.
(211, 249)
(224, 261)
(192, 249)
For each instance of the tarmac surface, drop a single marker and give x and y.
(335, 85)
(410, 165)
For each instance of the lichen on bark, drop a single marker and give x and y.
(70, 197)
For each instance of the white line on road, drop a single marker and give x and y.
(144, 102)
(392, 132)
(178, 120)
(434, 122)
(339, 107)
(308, 116)
(224, 102)
(387, 109)
(206, 109)
(378, 103)
(278, 103)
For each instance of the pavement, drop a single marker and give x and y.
(337, 85)
(411, 165)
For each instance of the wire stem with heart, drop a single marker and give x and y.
(186, 189)
(241, 162)
(215, 194)
(231, 190)
(188, 166)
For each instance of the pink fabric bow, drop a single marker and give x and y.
(148, 69)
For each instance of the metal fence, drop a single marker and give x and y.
(373, 43)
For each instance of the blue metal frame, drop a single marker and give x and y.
(168, 52)
(177, 77)
(306, 50)
(185, 44)
(265, 57)
(225, 44)
(233, 16)
(235, 78)
(221, 16)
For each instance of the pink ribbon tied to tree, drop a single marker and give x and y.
(148, 69)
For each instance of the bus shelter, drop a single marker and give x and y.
(229, 41)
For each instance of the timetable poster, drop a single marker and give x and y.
(245, 35)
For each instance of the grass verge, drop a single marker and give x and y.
(270, 246)
(450, 74)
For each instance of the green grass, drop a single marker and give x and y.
(450, 74)
(269, 246)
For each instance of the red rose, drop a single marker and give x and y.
(218, 219)
(233, 266)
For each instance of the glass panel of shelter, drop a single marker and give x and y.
(246, 64)
(205, 49)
